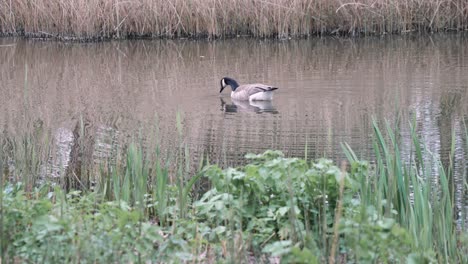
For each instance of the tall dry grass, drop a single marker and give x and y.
(215, 18)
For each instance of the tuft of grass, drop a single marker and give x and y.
(97, 19)
(405, 191)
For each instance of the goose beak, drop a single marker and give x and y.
(222, 88)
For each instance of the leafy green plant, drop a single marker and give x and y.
(18, 214)
(369, 238)
(273, 198)
(80, 228)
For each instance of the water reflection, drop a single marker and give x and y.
(237, 106)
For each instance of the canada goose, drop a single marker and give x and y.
(251, 92)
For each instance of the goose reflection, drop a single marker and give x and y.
(237, 106)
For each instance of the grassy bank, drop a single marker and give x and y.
(199, 18)
(272, 208)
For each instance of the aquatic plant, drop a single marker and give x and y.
(294, 209)
(403, 191)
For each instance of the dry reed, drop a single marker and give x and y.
(218, 18)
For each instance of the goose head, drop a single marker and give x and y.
(226, 81)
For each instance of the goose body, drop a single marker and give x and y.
(248, 92)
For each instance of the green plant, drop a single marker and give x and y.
(273, 198)
(79, 228)
(288, 209)
(402, 191)
(369, 237)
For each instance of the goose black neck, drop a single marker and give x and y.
(232, 83)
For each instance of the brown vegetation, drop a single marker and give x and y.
(218, 18)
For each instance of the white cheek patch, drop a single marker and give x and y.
(223, 83)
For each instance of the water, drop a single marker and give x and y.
(330, 90)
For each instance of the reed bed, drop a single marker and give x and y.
(94, 19)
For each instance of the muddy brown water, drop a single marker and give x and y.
(330, 90)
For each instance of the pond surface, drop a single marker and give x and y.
(330, 91)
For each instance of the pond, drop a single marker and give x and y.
(330, 90)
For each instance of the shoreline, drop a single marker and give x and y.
(59, 38)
